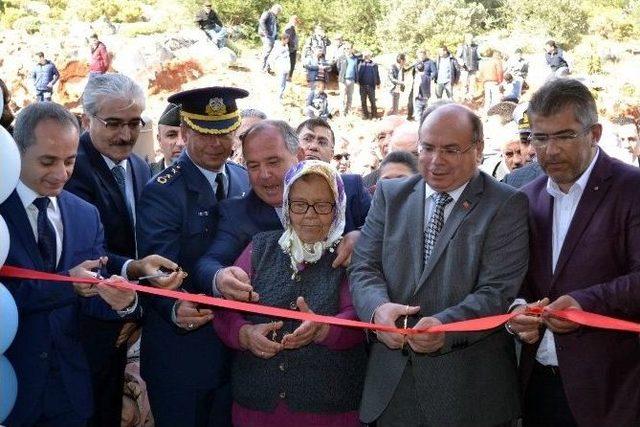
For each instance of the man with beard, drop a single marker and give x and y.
(110, 176)
(169, 138)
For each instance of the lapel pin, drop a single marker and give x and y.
(466, 205)
(203, 213)
(596, 188)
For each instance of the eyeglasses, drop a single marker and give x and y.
(321, 208)
(565, 137)
(448, 153)
(341, 156)
(116, 125)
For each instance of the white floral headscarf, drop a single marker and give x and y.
(301, 252)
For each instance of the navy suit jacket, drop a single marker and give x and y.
(94, 182)
(48, 312)
(600, 369)
(177, 219)
(240, 219)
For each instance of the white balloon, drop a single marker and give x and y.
(9, 164)
(8, 318)
(4, 241)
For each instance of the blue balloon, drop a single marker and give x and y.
(8, 318)
(8, 388)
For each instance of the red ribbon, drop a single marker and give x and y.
(580, 317)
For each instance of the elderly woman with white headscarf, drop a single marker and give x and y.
(287, 372)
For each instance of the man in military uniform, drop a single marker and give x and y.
(169, 138)
(185, 365)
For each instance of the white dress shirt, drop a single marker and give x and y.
(564, 207)
(27, 197)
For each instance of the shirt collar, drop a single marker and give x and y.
(554, 190)
(455, 194)
(28, 196)
(210, 175)
(111, 164)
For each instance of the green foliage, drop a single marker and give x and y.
(115, 11)
(12, 10)
(563, 20)
(409, 24)
(613, 24)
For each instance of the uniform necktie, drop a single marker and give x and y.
(219, 187)
(436, 221)
(46, 235)
(118, 174)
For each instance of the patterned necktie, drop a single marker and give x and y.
(118, 173)
(46, 235)
(436, 221)
(219, 187)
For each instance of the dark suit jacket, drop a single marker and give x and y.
(48, 329)
(157, 167)
(93, 181)
(600, 369)
(177, 219)
(475, 270)
(240, 219)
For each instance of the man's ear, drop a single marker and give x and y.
(300, 154)
(596, 133)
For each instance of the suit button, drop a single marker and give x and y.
(293, 305)
(283, 395)
(281, 367)
(44, 355)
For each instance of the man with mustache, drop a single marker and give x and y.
(110, 176)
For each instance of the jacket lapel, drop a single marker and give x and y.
(465, 204)
(593, 194)
(235, 189)
(197, 183)
(416, 221)
(14, 212)
(541, 224)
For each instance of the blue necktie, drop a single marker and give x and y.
(436, 222)
(46, 235)
(219, 187)
(118, 174)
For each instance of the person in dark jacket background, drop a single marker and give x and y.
(368, 78)
(290, 30)
(268, 32)
(44, 76)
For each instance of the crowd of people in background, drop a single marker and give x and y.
(512, 207)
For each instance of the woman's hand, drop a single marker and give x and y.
(254, 338)
(307, 332)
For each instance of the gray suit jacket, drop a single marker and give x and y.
(521, 177)
(476, 269)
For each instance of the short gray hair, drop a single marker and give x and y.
(253, 112)
(110, 86)
(287, 132)
(30, 116)
(558, 94)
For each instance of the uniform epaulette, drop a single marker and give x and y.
(168, 174)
